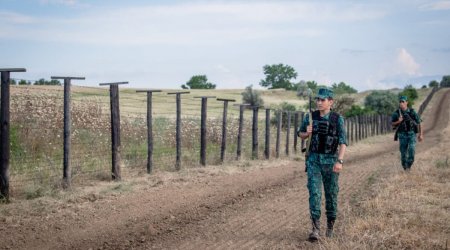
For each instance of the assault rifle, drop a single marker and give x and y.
(308, 143)
(406, 117)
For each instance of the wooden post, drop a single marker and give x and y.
(279, 122)
(203, 131)
(4, 132)
(295, 131)
(149, 129)
(178, 127)
(224, 127)
(241, 125)
(255, 133)
(301, 122)
(288, 131)
(352, 138)
(67, 171)
(115, 129)
(348, 130)
(359, 127)
(267, 141)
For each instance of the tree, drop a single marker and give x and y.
(24, 82)
(12, 81)
(278, 76)
(252, 97)
(198, 82)
(433, 84)
(356, 110)
(410, 92)
(343, 103)
(381, 102)
(42, 81)
(343, 88)
(445, 82)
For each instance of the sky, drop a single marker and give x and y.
(162, 44)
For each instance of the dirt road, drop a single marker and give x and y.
(261, 206)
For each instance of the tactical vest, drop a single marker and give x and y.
(409, 124)
(325, 137)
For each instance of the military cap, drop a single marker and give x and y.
(325, 93)
(403, 98)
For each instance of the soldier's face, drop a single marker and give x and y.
(403, 105)
(324, 104)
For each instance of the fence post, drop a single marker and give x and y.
(255, 132)
(295, 131)
(288, 131)
(277, 146)
(224, 127)
(178, 127)
(352, 138)
(66, 183)
(115, 128)
(241, 125)
(203, 131)
(348, 130)
(4, 132)
(149, 129)
(267, 142)
(301, 122)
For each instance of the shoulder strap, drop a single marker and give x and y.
(316, 115)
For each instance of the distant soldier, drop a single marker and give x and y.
(325, 159)
(407, 124)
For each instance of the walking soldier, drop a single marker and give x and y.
(407, 124)
(325, 159)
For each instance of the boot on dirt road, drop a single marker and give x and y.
(330, 226)
(315, 234)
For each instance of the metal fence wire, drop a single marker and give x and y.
(36, 134)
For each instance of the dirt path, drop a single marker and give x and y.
(263, 206)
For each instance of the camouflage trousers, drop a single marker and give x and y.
(407, 148)
(318, 175)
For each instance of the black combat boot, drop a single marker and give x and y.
(314, 235)
(330, 225)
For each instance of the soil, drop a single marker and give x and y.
(249, 205)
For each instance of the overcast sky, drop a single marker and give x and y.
(161, 44)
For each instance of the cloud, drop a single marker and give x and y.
(355, 52)
(440, 5)
(192, 23)
(406, 63)
(15, 18)
(61, 2)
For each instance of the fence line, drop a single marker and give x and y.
(153, 138)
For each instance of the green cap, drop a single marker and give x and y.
(403, 98)
(325, 93)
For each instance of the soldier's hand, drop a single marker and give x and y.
(309, 129)
(420, 137)
(337, 167)
(400, 119)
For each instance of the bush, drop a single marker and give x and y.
(285, 107)
(252, 97)
(381, 102)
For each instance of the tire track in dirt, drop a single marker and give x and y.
(270, 232)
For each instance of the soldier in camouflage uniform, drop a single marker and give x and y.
(407, 122)
(325, 160)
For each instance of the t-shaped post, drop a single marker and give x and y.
(4, 131)
(67, 121)
(115, 128)
(149, 129)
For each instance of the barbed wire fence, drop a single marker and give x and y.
(36, 134)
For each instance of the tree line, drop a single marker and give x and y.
(41, 81)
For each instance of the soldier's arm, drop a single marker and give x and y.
(342, 145)
(303, 129)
